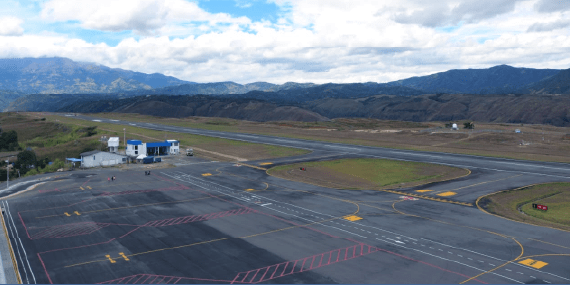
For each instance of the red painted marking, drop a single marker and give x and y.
(330, 255)
(47, 274)
(313, 261)
(321, 261)
(345, 253)
(253, 278)
(293, 267)
(22, 220)
(245, 276)
(138, 279)
(284, 269)
(338, 256)
(263, 274)
(274, 271)
(302, 266)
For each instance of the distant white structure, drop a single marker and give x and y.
(517, 131)
(113, 144)
(454, 127)
(174, 146)
(99, 158)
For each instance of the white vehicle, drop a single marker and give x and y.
(189, 152)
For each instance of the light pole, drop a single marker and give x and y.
(7, 174)
(125, 139)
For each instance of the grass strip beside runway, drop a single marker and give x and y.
(517, 204)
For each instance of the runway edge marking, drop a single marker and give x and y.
(15, 264)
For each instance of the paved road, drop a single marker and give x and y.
(214, 222)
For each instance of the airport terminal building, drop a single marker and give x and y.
(136, 148)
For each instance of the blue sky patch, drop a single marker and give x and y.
(255, 10)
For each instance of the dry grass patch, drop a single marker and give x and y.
(517, 205)
(405, 135)
(366, 173)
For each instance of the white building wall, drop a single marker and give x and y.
(140, 149)
(102, 159)
(174, 147)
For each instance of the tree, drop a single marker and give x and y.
(9, 140)
(468, 125)
(26, 159)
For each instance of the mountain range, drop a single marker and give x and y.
(60, 84)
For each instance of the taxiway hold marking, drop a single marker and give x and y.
(533, 263)
(77, 213)
(352, 218)
(67, 214)
(81, 188)
(207, 174)
(122, 254)
(110, 259)
(446, 194)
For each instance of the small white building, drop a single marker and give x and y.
(99, 158)
(174, 146)
(113, 144)
(135, 148)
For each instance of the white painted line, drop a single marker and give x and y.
(460, 255)
(97, 121)
(395, 240)
(492, 264)
(532, 277)
(469, 258)
(508, 269)
(437, 256)
(520, 273)
(546, 281)
(266, 204)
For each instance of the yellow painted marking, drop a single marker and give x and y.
(266, 163)
(352, 218)
(77, 213)
(67, 214)
(81, 188)
(423, 191)
(207, 174)
(123, 256)
(110, 259)
(89, 187)
(533, 263)
(446, 194)
(249, 189)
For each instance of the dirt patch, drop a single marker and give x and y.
(364, 174)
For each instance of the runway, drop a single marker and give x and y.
(217, 222)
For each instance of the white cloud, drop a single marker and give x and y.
(141, 16)
(312, 41)
(11, 26)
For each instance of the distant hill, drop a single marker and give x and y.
(557, 84)
(528, 109)
(501, 79)
(206, 106)
(62, 75)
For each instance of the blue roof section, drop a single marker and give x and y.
(157, 144)
(73, 159)
(134, 142)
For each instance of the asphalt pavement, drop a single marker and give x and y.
(220, 222)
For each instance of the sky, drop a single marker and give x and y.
(282, 41)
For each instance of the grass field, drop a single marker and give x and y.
(517, 205)
(49, 139)
(542, 142)
(232, 149)
(366, 173)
